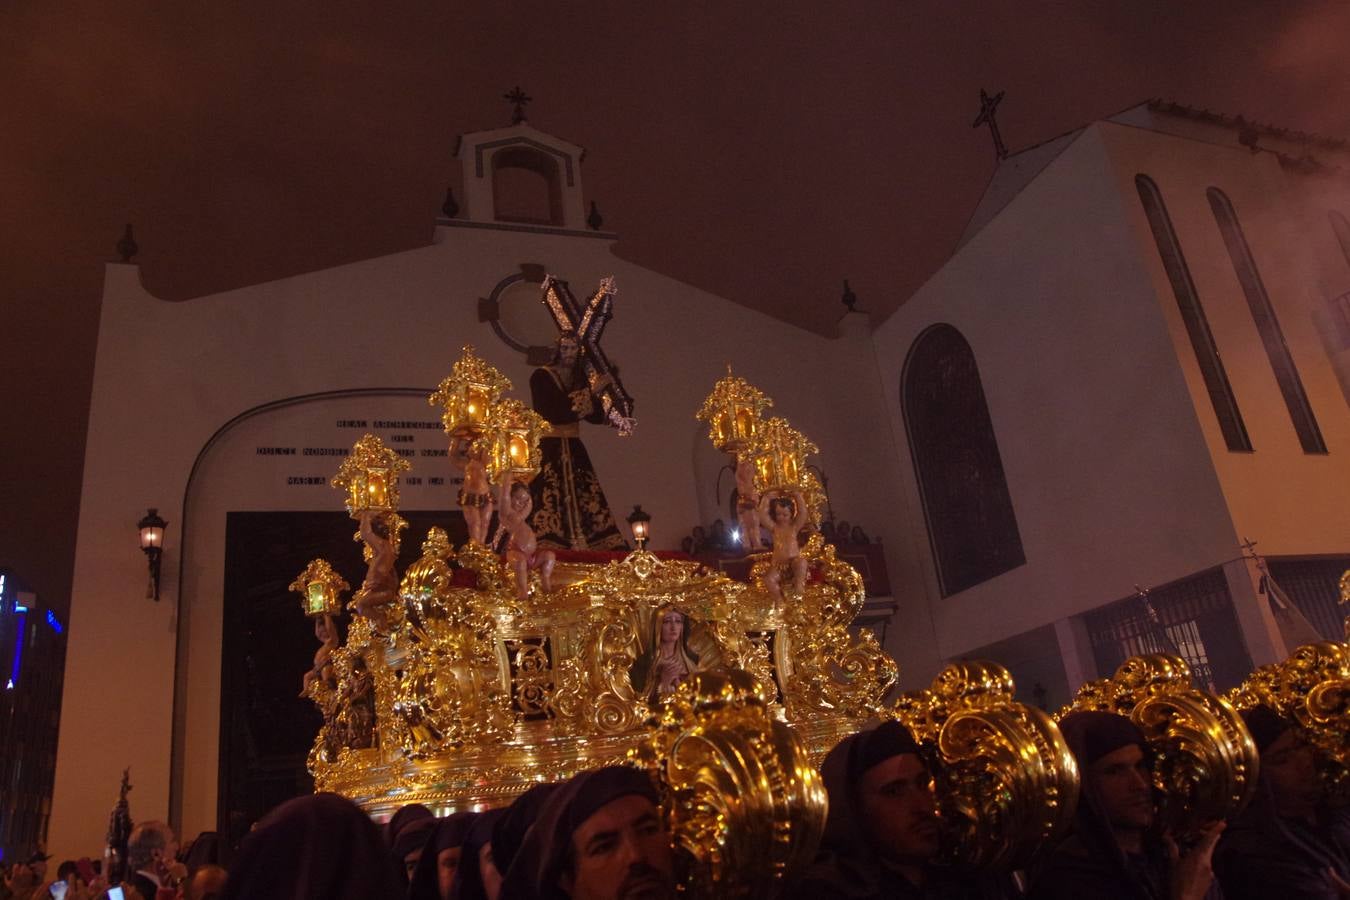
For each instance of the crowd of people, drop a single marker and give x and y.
(602, 836)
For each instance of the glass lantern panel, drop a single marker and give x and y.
(317, 595)
(745, 423)
(377, 488)
(476, 406)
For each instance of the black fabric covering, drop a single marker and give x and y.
(1266, 725)
(468, 883)
(402, 818)
(1263, 854)
(848, 866)
(411, 837)
(1092, 735)
(206, 849)
(319, 847)
(1088, 864)
(449, 832)
(873, 747)
(509, 832)
(544, 854)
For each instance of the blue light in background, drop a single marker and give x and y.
(18, 645)
(54, 622)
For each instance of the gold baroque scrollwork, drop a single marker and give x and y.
(745, 806)
(1310, 688)
(1206, 764)
(1007, 783)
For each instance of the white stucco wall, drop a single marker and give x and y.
(1105, 461)
(1288, 501)
(1118, 472)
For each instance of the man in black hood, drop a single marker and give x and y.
(599, 837)
(1287, 843)
(1114, 851)
(316, 847)
(441, 855)
(882, 837)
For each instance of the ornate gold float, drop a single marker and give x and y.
(453, 691)
(459, 694)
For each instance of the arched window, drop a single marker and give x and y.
(526, 187)
(1272, 337)
(965, 497)
(1193, 315)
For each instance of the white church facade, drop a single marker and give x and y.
(1155, 305)
(1095, 449)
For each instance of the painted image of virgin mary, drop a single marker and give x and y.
(669, 659)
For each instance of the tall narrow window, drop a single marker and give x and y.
(965, 497)
(1193, 315)
(1272, 337)
(1340, 306)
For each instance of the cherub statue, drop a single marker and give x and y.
(475, 495)
(522, 552)
(325, 629)
(380, 589)
(784, 519)
(747, 504)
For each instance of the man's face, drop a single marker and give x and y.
(896, 800)
(1123, 785)
(567, 353)
(622, 852)
(487, 872)
(164, 857)
(410, 862)
(447, 861)
(1288, 765)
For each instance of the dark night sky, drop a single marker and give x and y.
(761, 151)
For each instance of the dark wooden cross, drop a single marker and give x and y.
(520, 98)
(988, 111)
(587, 322)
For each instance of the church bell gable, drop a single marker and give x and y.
(520, 175)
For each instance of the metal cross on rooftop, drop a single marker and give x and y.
(519, 98)
(988, 111)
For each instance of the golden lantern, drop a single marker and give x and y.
(511, 435)
(779, 452)
(370, 476)
(733, 412)
(468, 394)
(320, 589)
